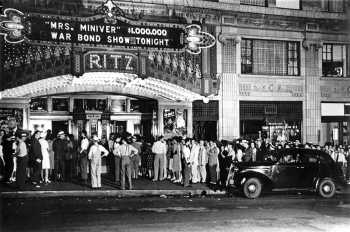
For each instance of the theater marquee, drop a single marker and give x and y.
(111, 27)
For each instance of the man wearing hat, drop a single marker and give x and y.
(126, 152)
(60, 148)
(36, 157)
(22, 160)
(96, 152)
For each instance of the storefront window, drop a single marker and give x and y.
(60, 104)
(277, 121)
(38, 105)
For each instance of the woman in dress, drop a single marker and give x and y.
(177, 160)
(51, 153)
(149, 160)
(213, 153)
(46, 158)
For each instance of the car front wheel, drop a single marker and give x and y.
(326, 188)
(252, 188)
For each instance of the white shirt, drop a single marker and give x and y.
(186, 153)
(96, 152)
(116, 150)
(341, 158)
(194, 154)
(84, 144)
(239, 155)
(159, 148)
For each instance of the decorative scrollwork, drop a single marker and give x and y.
(197, 39)
(12, 25)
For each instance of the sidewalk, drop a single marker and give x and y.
(142, 187)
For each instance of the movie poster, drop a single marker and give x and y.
(175, 122)
(10, 113)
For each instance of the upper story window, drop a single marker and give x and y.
(290, 4)
(254, 2)
(333, 5)
(38, 104)
(270, 57)
(333, 60)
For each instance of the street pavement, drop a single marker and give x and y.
(271, 212)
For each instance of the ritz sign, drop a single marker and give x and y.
(110, 27)
(117, 62)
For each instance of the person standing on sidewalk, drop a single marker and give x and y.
(117, 158)
(127, 151)
(60, 149)
(95, 155)
(37, 158)
(186, 152)
(177, 160)
(46, 157)
(22, 161)
(159, 149)
(213, 153)
(136, 159)
(84, 162)
(194, 161)
(9, 148)
(202, 162)
(69, 157)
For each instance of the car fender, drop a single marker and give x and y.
(318, 180)
(244, 175)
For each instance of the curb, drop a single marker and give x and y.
(108, 193)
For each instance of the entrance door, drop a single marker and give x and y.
(206, 130)
(59, 126)
(119, 127)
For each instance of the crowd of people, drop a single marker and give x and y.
(41, 158)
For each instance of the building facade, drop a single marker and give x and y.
(279, 69)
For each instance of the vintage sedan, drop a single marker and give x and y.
(288, 169)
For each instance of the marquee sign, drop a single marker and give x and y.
(116, 61)
(109, 28)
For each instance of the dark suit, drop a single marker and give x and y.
(35, 155)
(60, 148)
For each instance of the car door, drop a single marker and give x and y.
(286, 173)
(309, 167)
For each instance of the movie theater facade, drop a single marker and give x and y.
(275, 70)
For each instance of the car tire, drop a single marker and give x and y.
(326, 188)
(252, 188)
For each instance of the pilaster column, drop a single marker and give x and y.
(229, 97)
(312, 104)
(49, 104)
(189, 122)
(160, 120)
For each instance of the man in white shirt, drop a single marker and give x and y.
(194, 161)
(202, 162)
(95, 155)
(159, 149)
(127, 151)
